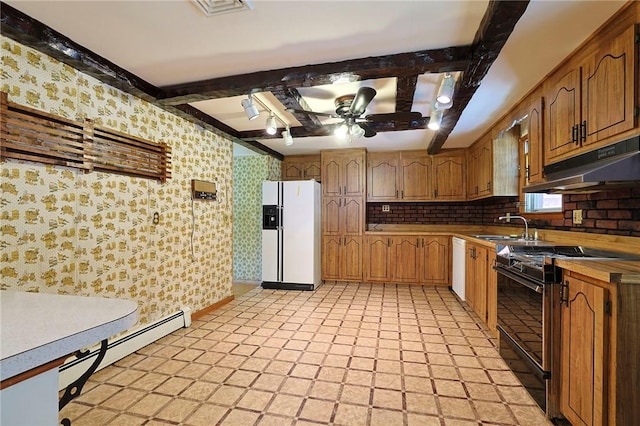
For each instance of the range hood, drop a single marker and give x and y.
(611, 167)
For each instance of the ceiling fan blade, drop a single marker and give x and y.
(361, 101)
(394, 116)
(368, 131)
(304, 111)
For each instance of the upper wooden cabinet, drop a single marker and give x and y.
(592, 101)
(301, 167)
(449, 176)
(492, 167)
(342, 215)
(343, 172)
(533, 147)
(415, 176)
(398, 176)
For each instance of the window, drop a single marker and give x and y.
(543, 203)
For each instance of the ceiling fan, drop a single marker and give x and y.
(349, 108)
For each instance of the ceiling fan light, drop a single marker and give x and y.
(286, 136)
(435, 120)
(356, 131)
(271, 125)
(250, 109)
(341, 131)
(445, 92)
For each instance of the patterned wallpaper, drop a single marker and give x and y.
(67, 232)
(248, 174)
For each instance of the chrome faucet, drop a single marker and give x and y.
(526, 223)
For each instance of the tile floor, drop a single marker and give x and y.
(346, 354)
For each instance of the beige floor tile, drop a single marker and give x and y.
(273, 420)
(241, 378)
(317, 410)
(529, 415)
(351, 415)
(296, 386)
(493, 412)
(177, 410)
(126, 419)
(360, 395)
(381, 417)
(383, 398)
(150, 404)
(279, 367)
(173, 386)
(268, 382)
(333, 360)
(240, 417)
(482, 392)
(171, 367)
(96, 416)
(421, 403)
(123, 399)
(450, 388)
(206, 415)
(98, 394)
(226, 395)
(286, 405)
(193, 371)
(456, 407)
(414, 419)
(199, 391)
(255, 400)
(387, 381)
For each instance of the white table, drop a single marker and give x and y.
(37, 332)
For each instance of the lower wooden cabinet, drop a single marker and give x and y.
(342, 257)
(583, 353)
(476, 279)
(600, 351)
(406, 259)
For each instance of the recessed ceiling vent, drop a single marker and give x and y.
(219, 7)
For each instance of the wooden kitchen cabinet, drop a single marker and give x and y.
(434, 260)
(476, 273)
(583, 356)
(534, 144)
(342, 258)
(398, 176)
(600, 349)
(592, 101)
(492, 168)
(342, 215)
(411, 259)
(377, 258)
(301, 167)
(449, 177)
(343, 173)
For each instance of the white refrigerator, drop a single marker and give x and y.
(291, 235)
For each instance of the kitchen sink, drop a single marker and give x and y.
(497, 237)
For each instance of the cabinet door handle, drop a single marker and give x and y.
(435, 193)
(402, 192)
(388, 242)
(575, 133)
(396, 193)
(583, 131)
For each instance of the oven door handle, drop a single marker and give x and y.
(529, 284)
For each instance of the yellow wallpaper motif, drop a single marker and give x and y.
(64, 231)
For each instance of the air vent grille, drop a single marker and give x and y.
(219, 7)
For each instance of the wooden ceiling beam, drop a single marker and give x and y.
(497, 25)
(291, 98)
(405, 92)
(397, 65)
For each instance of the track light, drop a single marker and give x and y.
(286, 135)
(435, 120)
(445, 92)
(271, 125)
(249, 108)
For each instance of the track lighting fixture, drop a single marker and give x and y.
(271, 125)
(435, 120)
(445, 92)
(286, 135)
(250, 109)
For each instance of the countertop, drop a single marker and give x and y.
(617, 271)
(38, 328)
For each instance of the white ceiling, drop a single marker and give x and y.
(170, 42)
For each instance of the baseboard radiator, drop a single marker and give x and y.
(124, 345)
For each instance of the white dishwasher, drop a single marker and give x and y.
(458, 267)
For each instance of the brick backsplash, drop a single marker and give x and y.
(611, 212)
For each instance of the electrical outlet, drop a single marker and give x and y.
(385, 208)
(577, 217)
